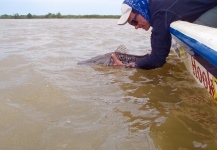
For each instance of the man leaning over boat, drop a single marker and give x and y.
(159, 15)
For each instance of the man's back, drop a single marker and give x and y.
(186, 10)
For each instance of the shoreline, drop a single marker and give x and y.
(59, 16)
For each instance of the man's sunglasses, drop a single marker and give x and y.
(134, 22)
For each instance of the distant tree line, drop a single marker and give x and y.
(54, 16)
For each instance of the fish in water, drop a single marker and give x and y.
(107, 60)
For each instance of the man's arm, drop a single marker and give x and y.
(160, 43)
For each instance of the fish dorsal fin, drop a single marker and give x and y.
(122, 49)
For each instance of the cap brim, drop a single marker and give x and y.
(126, 10)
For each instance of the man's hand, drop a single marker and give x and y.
(117, 62)
(131, 65)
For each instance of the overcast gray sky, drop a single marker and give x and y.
(65, 7)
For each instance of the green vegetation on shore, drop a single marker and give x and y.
(55, 16)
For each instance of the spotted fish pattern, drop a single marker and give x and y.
(106, 59)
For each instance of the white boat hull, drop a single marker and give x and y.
(203, 70)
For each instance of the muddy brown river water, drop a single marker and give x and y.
(48, 102)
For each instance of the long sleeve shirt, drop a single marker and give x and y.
(163, 13)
